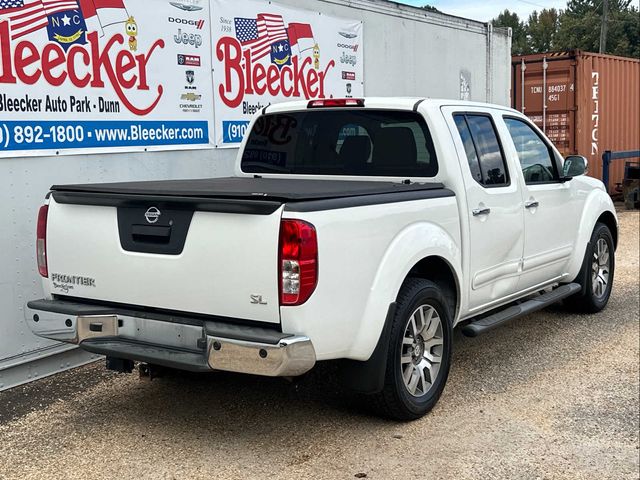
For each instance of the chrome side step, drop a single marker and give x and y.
(484, 324)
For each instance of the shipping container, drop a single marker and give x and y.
(407, 51)
(586, 103)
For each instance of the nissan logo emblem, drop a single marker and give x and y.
(152, 214)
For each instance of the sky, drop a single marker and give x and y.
(486, 10)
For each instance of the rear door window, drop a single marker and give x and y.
(469, 148)
(363, 142)
(484, 152)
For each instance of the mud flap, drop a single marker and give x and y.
(368, 376)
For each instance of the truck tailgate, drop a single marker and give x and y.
(165, 253)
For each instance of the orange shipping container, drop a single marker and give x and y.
(586, 103)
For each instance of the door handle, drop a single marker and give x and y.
(532, 204)
(481, 211)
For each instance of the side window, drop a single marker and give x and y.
(484, 154)
(535, 155)
(467, 141)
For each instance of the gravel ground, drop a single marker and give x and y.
(553, 395)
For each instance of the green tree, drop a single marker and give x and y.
(579, 27)
(429, 8)
(542, 29)
(623, 37)
(519, 41)
(576, 27)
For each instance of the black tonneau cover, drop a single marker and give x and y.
(283, 189)
(265, 194)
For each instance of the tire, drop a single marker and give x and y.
(594, 295)
(429, 352)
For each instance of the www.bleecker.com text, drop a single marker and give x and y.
(56, 104)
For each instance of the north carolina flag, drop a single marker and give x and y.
(301, 34)
(102, 13)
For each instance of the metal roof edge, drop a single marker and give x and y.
(567, 54)
(392, 8)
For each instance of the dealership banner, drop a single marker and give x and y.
(104, 75)
(265, 53)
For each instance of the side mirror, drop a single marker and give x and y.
(575, 165)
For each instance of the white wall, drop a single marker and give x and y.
(412, 52)
(407, 52)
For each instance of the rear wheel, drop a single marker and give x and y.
(419, 353)
(596, 275)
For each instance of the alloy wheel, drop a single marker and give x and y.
(600, 268)
(422, 349)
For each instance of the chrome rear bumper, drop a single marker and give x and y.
(174, 342)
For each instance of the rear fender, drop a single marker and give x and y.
(414, 243)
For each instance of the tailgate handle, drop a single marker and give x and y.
(151, 233)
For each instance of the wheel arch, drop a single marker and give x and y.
(598, 207)
(610, 221)
(441, 272)
(422, 250)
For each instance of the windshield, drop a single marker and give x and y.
(363, 142)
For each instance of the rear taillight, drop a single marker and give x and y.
(41, 241)
(298, 262)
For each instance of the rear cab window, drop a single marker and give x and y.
(361, 142)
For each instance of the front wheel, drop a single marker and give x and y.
(419, 352)
(596, 276)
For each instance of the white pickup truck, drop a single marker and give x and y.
(358, 230)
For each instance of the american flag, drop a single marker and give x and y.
(258, 34)
(25, 16)
(55, 6)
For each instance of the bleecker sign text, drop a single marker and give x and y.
(81, 66)
(243, 77)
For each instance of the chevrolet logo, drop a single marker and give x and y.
(191, 97)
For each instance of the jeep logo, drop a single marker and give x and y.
(193, 39)
(152, 214)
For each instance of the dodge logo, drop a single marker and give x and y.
(152, 215)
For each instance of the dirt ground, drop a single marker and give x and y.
(552, 395)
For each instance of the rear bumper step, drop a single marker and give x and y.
(484, 324)
(201, 346)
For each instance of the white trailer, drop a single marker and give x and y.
(407, 52)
